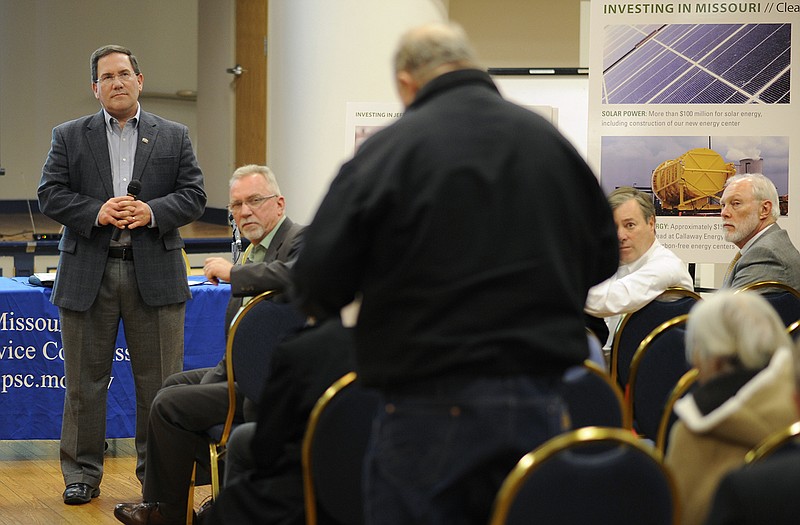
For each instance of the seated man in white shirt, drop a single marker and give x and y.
(646, 268)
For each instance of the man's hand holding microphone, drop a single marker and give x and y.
(126, 211)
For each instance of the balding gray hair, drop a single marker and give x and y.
(423, 49)
(255, 169)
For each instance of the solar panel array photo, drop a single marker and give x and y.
(697, 64)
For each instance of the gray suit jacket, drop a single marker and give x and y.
(772, 257)
(76, 181)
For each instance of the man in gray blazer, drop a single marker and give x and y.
(749, 216)
(120, 256)
(195, 400)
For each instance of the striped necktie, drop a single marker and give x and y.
(730, 268)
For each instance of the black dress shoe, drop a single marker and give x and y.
(80, 493)
(144, 514)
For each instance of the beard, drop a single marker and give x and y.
(253, 231)
(744, 229)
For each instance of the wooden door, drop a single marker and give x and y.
(251, 85)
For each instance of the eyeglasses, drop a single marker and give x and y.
(123, 77)
(253, 203)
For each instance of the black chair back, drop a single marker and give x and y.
(255, 332)
(334, 447)
(635, 326)
(685, 385)
(657, 366)
(590, 475)
(592, 397)
(782, 297)
(258, 334)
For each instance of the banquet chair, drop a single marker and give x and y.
(656, 368)
(589, 475)
(592, 398)
(782, 297)
(794, 330)
(252, 337)
(186, 262)
(334, 446)
(685, 384)
(596, 349)
(773, 443)
(635, 326)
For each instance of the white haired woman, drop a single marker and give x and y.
(742, 351)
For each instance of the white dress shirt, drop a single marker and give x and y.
(636, 284)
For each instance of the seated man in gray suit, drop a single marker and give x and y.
(193, 401)
(749, 216)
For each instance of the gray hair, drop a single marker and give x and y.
(423, 49)
(740, 327)
(623, 194)
(255, 169)
(763, 189)
(107, 50)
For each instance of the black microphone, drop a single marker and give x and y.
(236, 240)
(134, 187)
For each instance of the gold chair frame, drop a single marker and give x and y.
(186, 262)
(308, 439)
(774, 286)
(527, 465)
(216, 449)
(792, 328)
(772, 443)
(767, 285)
(681, 387)
(639, 355)
(671, 293)
(595, 369)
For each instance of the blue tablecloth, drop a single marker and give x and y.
(32, 367)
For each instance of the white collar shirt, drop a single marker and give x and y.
(636, 284)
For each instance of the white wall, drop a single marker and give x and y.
(44, 70)
(216, 101)
(322, 55)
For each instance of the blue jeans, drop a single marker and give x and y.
(439, 455)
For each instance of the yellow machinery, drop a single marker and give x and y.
(691, 183)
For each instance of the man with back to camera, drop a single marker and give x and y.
(646, 267)
(120, 256)
(472, 278)
(750, 212)
(195, 400)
